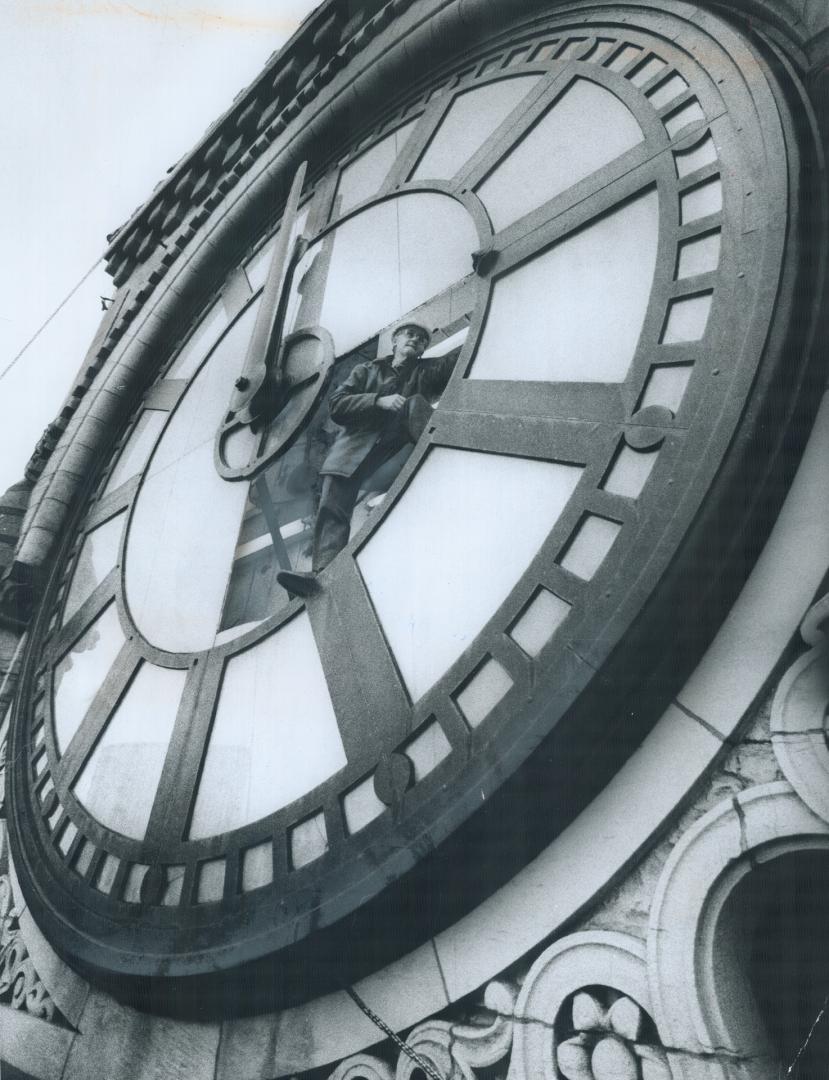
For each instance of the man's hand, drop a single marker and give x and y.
(391, 403)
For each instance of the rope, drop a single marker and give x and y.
(404, 1047)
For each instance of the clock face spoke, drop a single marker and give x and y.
(176, 789)
(137, 449)
(365, 175)
(532, 437)
(582, 130)
(513, 400)
(117, 766)
(274, 731)
(512, 127)
(85, 615)
(98, 714)
(579, 206)
(574, 311)
(372, 706)
(451, 134)
(96, 560)
(110, 504)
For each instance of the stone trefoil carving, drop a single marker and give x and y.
(606, 1039)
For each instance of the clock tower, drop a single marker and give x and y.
(524, 774)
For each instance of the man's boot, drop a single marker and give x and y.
(298, 582)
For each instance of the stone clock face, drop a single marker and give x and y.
(218, 770)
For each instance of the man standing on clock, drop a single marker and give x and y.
(381, 406)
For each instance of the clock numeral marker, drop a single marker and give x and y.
(97, 716)
(511, 130)
(169, 817)
(416, 143)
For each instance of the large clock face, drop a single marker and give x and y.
(219, 769)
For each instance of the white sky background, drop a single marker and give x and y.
(102, 96)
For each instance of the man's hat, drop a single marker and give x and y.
(418, 326)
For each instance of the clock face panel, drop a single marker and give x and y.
(211, 760)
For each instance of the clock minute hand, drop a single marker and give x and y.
(263, 345)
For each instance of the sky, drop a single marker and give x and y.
(103, 96)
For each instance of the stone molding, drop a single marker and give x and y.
(799, 715)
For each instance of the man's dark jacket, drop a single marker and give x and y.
(365, 426)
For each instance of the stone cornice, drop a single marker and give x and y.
(328, 39)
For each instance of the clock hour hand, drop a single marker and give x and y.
(263, 352)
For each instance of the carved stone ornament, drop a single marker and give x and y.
(799, 712)
(608, 1040)
(444, 1050)
(582, 1014)
(20, 985)
(455, 1051)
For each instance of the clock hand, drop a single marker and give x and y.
(264, 342)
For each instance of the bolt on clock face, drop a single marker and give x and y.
(510, 503)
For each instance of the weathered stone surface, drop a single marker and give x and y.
(139, 1046)
(33, 1046)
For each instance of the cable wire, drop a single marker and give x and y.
(413, 1055)
(43, 326)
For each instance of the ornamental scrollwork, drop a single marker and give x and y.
(445, 1049)
(20, 985)
(455, 1051)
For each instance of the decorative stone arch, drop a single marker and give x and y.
(585, 959)
(702, 1002)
